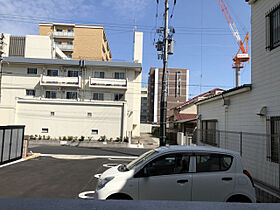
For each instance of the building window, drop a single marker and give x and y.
(275, 138)
(58, 43)
(30, 92)
(98, 96)
(59, 30)
(52, 72)
(72, 73)
(69, 43)
(45, 130)
(89, 114)
(118, 96)
(178, 84)
(71, 95)
(70, 30)
(273, 29)
(69, 55)
(50, 94)
(119, 75)
(31, 70)
(94, 131)
(52, 113)
(209, 132)
(99, 74)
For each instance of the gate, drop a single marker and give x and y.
(11, 143)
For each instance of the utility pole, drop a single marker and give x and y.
(163, 102)
(1, 58)
(165, 45)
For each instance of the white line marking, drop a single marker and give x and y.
(11, 163)
(81, 157)
(110, 165)
(97, 176)
(84, 195)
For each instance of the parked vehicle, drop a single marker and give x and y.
(180, 173)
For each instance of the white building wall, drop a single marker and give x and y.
(15, 81)
(38, 46)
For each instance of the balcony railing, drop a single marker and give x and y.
(65, 47)
(60, 34)
(60, 81)
(107, 83)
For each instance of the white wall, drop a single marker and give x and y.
(38, 47)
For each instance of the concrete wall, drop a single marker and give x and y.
(38, 47)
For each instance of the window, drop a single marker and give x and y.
(99, 74)
(71, 95)
(52, 113)
(70, 30)
(275, 139)
(69, 55)
(119, 75)
(168, 164)
(73, 73)
(118, 96)
(273, 29)
(58, 43)
(98, 96)
(178, 84)
(94, 131)
(69, 43)
(30, 92)
(52, 72)
(45, 130)
(213, 162)
(31, 70)
(89, 114)
(208, 129)
(59, 30)
(50, 94)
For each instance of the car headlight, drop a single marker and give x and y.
(103, 182)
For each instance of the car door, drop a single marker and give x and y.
(213, 179)
(166, 178)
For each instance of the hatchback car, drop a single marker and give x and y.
(180, 173)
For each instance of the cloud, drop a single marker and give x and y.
(22, 17)
(127, 8)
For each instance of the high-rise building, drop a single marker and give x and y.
(144, 104)
(177, 90)
(78, 41)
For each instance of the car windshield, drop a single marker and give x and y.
(140, 159)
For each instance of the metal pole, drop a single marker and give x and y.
(163, 103)
(237, 77)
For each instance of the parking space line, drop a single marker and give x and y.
(85, 157)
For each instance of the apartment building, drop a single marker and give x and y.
(55, 97)
(177, 90)
(78, 41)
(144, 105)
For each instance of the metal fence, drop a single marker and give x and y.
(260, 152)
(11, 143)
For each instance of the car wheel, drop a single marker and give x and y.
(239, 199)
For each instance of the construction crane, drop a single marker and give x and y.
(242, 54)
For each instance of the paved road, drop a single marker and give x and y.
(46, 177)
(87, 150)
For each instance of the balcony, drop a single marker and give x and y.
(65, 47)
(107, 83)
(60, 34)
(60, 81)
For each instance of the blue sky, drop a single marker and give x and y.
(203, 39)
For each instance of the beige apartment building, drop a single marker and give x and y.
(78, 41)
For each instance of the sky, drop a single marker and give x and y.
(204, 43)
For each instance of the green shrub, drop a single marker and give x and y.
(44, 137)
(32, 137)
(70, 138)
(48, 137)
(82, 138)
(64, 138)
(59, 138)
(102, 138)
(125, 139)
(39, 137)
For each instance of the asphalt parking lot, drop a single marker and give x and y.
(49, 177)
